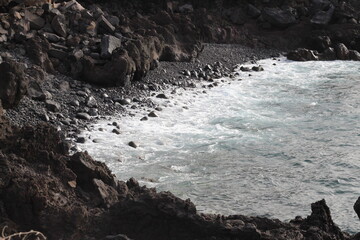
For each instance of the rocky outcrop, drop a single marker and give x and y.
(340, 51)
(75, 197)
(13, 83)
(303, 54)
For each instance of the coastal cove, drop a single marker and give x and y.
(267, 145)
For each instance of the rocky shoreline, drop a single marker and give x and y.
(65, 65)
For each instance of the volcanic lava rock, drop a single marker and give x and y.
(278, 17)
(13, 83)
(302, 54)
(342, 52)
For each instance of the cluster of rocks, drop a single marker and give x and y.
(328, 52)
(75, 197)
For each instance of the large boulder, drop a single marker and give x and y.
(117, 72)
(303, 54)
(37, 49)
(342, 52)
(13, 83)
(278, 17)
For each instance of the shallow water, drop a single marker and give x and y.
(267, 145)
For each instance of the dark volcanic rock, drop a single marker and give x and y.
(357, 207)
(13, 84)
(323, 17)
(278, 17)
(108, 45)
(302, 54)
(37, 49)
(342, 52)
(75, 197)
(354, 55)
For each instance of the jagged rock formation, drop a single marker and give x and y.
(75, 197)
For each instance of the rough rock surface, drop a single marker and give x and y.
(75, 197)
(13, 84)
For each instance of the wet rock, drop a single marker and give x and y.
(13, 84)
(80, 140)
(36, 22)
(302, 54)
(116, 131)
(357, 207)
(132, 144)
(52, 106)
(278, 17)
(152, 114)
(83, 116)
(58, 24)
(354, 55)
(162, 95)
(342, 52)
(108, 45)
(257, 68)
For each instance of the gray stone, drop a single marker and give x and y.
(144, 119)
(93, 112)
(91, 102)
(124, 101)
(52, 37)
(75, 103)
(83, 116)
(35, 91)
(80, 140)
(59, 26)
(108, 45)
(52, 106)
(36, 22)
(105, 24)
(64, 86)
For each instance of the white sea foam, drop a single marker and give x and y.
(267, 145)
